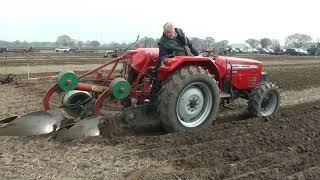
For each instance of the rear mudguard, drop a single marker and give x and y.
(172, 64)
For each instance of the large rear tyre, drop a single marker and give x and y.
(264, 100)
(188, 100)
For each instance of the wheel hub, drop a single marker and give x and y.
(268, 104)
(194, 104)
(190, 103)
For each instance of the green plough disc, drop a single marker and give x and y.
(67, 80)
(120, 88)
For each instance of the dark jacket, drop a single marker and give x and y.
(180, 39)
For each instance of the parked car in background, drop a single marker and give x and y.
(3, 50)
(314, 50)
(293, 52)
(241, 51)
(252, 51)
(270, 51)
(263, 51)
(224, 51)
(75, 50)
(112, 53)
(303, 52)
(64, 50)
(279, 51)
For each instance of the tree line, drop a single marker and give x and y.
(296, 40)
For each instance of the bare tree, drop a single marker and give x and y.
(16, 43)
(80, 44)
(26, 44)
(254, 43)
(265, 42)
(4, 43)
(64, 40)
(209, 42)
(94, 44)
(222, 44)
(197, 43)
(298, 40)
(148, 42)
(275, 44)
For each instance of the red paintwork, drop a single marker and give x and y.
(84, 87)
(99, 101)
(172, 64)
(114, 60)
(113, 68)
(46, 98)
(141, 55)
(246, 73)
(80, 86)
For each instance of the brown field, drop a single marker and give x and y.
(235, 147)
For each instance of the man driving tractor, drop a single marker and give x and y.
(174, 42)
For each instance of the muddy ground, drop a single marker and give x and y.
(235, 147)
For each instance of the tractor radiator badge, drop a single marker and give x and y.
(243, 66)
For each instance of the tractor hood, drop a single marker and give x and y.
(246, 73)
(242, 63)
(237, 64)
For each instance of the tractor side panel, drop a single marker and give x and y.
(246, 74)
(245, 79)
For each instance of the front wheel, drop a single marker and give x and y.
(188, 100)
(264, 100)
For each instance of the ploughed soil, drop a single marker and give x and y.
(294, 77)
(283, 147)
(286, 146)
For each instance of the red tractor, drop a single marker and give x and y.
(184, 93)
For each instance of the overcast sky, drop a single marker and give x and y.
(122, 21)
